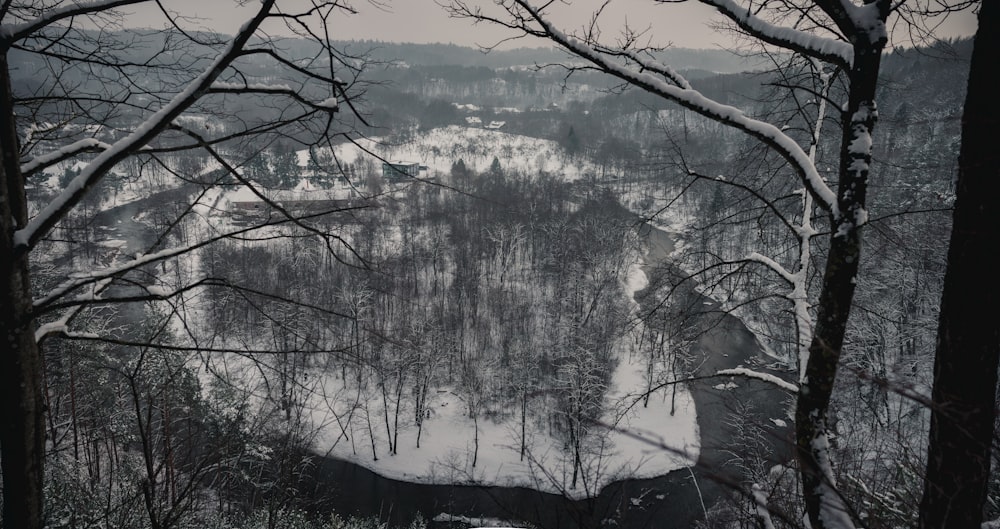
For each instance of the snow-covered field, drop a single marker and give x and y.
(645, 441)
(439, 148)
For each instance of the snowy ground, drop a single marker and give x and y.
(633, 449)
(439, 148)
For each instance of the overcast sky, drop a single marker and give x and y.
(424, 21)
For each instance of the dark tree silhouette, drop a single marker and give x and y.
(968, 344)
(111, 79)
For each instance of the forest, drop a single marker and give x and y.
(629, 286)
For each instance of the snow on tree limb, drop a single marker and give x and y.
(61, 325)
(80, 280)
(757, 375)
(77, 281)
(833, 510)
(656, 66)
(47, 160)
(664, 70)
(329, 104)
(866, 20)
(826, 49)
(694, 100)
(9, 33)
(61, 330)
(760, 502)
(773, 265)
(48, 217)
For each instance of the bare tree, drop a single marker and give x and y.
(963, 406)
(846, 40)
(104, 97)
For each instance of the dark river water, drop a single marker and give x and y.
(667, 501)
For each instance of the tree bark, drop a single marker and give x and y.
(22, 434)
(968, 343)
(823, 503)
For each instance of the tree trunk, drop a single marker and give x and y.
(22, 434)
(968, 342)
(524, 421)
(400, 379)
(475, 450)
(824, 505)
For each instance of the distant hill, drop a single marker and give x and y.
(716, 61)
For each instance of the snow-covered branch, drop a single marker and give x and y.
(77, 281)
(760, 502)
(86, 278)
(330, 104)
(48, 217)
(757, 375)
(767, 133)
(61, 325)
(14, 32)
(773, 265)
(51, 329)
(826, 49)
(40, 162)
(864, 23)
(665, 70)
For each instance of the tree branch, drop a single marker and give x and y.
(41, 224)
